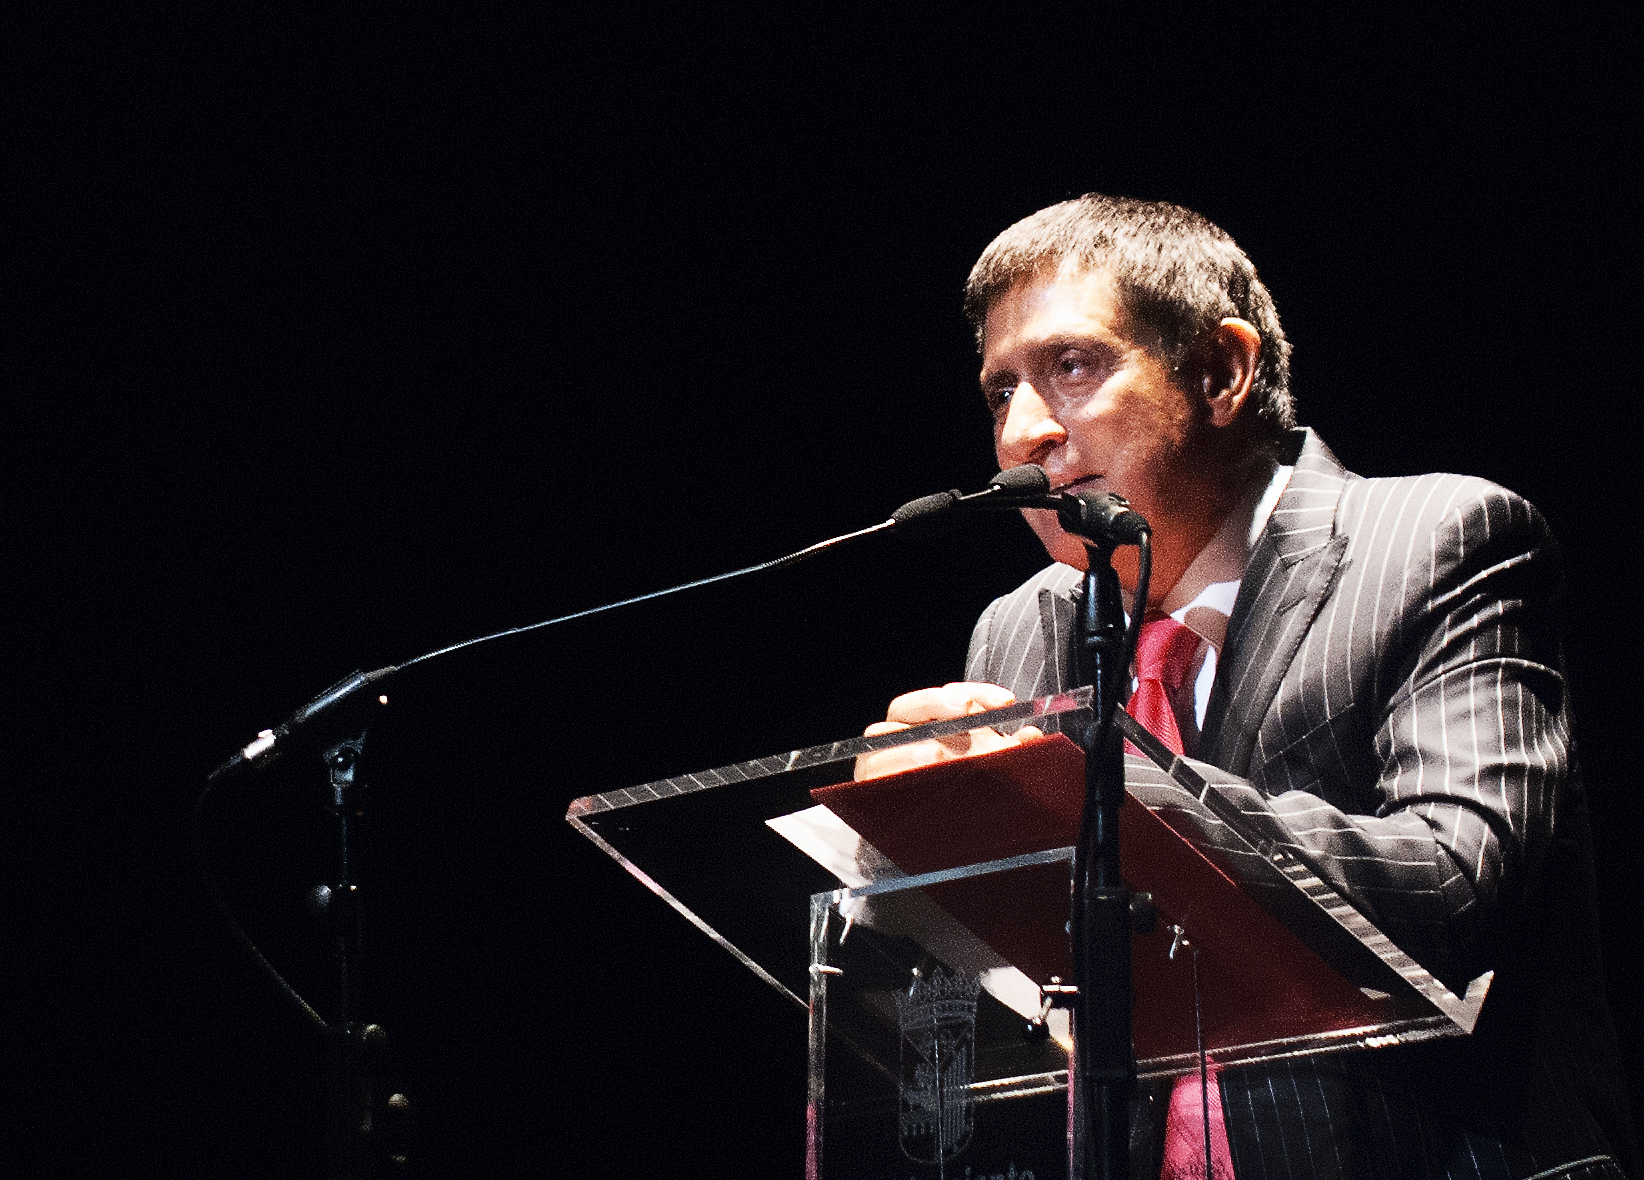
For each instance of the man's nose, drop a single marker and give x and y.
(1030, 430)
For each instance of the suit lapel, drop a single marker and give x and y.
(1290, 574)
(1056, 618)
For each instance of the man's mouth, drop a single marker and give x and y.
(1075, 485)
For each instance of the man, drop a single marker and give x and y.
(1377, 658)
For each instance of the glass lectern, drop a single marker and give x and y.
(921, 919)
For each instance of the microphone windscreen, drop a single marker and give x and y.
(1028, 479)
(925, 507)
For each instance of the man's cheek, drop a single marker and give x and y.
(1049, 529)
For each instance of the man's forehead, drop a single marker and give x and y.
(1070, 288)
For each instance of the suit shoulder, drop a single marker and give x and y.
(1057, 578)
(1438, 503)
(1009, 645)
(1011, 619)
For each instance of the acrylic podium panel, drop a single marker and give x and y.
(937, 903)
(719, 846)
(920, 1064)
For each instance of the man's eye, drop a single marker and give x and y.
(1071, 363)
(999, 399)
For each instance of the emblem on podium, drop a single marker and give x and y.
(936, 1114)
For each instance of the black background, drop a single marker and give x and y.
(351, 332)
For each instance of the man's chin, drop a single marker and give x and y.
(1068, 550)
(1063, 548)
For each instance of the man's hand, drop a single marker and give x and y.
(938, 704)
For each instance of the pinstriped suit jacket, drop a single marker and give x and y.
(1390, 688)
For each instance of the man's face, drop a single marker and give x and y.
(1071, 392)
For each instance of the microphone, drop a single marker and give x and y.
(1093, 515)
(1027, 480)
(925, 508)
(1015, 487)
(1103, 516)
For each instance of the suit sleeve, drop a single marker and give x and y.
(1430, 802)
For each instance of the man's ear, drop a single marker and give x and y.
(1229, 368)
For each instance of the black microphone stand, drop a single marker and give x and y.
(1104, 1065)
(349, 1138)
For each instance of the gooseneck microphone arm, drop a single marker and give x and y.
(1018, 487)
(269, 743)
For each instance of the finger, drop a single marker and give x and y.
(879, 727)
(960, 699)
(928, 704)
(894, 761)
(980, 697)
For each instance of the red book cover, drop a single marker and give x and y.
(1259, 982)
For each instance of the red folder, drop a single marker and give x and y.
(1259, 983)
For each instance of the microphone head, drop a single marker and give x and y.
(925, 507)
(1027, 480)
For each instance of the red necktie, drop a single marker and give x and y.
(1184, 1131)
(1164, 656)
